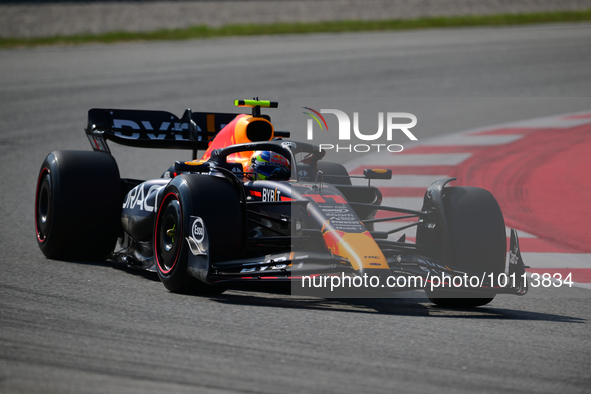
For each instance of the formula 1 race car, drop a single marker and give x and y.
(259, 208)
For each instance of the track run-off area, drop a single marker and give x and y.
(538, 171)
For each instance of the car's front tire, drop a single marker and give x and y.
(215, 205)
(476, 242)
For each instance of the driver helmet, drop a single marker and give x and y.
(267, 165)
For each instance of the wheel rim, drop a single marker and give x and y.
(168, 234)
(43, 205)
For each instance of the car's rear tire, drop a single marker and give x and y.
(78, 205)
(217, 204)
(476, 241)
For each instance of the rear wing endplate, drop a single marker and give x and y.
(154, 129)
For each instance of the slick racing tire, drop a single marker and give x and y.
(78, 205)
(330, 169)
(476, 240)
(200, 217)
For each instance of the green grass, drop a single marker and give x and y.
(304, 28)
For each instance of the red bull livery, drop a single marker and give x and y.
(258, 208)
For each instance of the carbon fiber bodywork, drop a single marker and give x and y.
(290, 229)
(304, 227)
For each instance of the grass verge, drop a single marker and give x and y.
(304, 28)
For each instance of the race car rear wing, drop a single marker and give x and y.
(154, 129)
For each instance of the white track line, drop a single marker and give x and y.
(467, 138)
(550, 123)
(557, 260)
(414, 159)
(412, 231)
(474, 140)
(520, 234)
(412, 181)
(414, 203)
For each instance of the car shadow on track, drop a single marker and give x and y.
(152, 276)
(414, 305)
(385, 306)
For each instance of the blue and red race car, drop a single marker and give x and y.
(258, 208)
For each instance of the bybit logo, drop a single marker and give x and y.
(345, 129)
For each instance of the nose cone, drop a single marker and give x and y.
(360, 248)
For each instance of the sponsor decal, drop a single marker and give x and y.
(139, 199)
(287, 144)
(309, 185)
(196, 237)
(335, 211)
(323, 199)
(98, 143)
(271, 194)
(513, 259)
(198, 230)
(272, 264)
(166, 127)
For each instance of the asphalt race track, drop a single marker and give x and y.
(76, 327)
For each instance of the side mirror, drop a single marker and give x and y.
(374, 173)
(192, 166)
